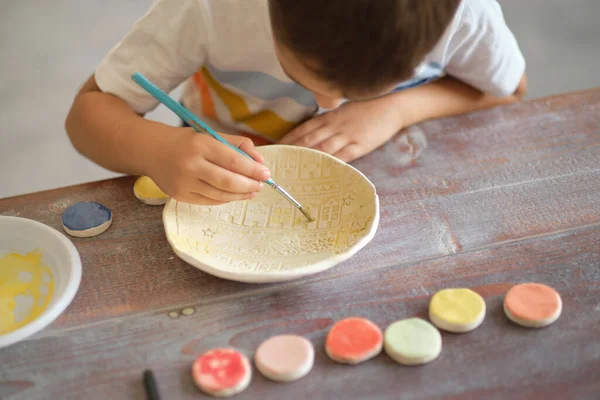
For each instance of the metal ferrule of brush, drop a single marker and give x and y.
(284, 193)
(289, 197)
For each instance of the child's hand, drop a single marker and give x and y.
(196, 168)
(351, 131)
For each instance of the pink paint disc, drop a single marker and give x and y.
(353, 340)
(222, 372)
(285, 358)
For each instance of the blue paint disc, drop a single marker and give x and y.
(86, 219)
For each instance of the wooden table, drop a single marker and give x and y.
(501, 196)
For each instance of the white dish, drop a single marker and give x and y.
(23, 236)
(266, 239)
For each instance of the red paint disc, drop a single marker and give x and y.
(222, 372)
(353, 340)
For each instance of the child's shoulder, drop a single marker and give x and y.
(478, 48)
(230, 11)
(478, 16)
(212, 12)
(231, 19)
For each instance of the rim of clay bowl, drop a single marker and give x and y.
(279, 276)
(65, 298)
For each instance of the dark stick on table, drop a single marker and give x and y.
(150, 385)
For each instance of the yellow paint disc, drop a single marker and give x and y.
(457, 310)
(148, 193)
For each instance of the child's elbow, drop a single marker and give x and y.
(74, 119)
(69, 121)
(71, 124)
(521, 91)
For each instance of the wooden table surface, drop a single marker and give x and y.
(499, 197)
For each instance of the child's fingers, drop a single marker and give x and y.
(333, 144)
(302, 130)
(247, 146)
(315, 137)
(195, 198)
(229, 159)
(221, 177)
(349, 153)
(212, 193)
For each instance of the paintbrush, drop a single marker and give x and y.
(200, 126)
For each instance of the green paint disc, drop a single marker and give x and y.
(412, 341)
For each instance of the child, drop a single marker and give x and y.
(272, 67)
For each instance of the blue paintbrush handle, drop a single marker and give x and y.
(183, 112)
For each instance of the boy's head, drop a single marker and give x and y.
(355, 49)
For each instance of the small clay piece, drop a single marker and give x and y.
(222, 372)
(353, 340)
(86, 219)
(147, 192)
(285, 358)
(457, 310)
(412, 341)
(188, 311)
(532, 305)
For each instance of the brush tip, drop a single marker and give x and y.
(307, 215)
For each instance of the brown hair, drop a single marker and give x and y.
(361, 46)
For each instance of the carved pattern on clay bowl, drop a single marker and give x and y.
(266, 239)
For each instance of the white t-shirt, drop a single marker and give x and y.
(224, 50)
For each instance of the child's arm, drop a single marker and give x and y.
(105, 129)
(484, 64)
(446, 97)
(105, 123)
(356, 128)
(188, 166)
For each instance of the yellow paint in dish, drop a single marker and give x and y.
(147, 192)
(457, 310)
(26, 287)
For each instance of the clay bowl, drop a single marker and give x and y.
(266, 239)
